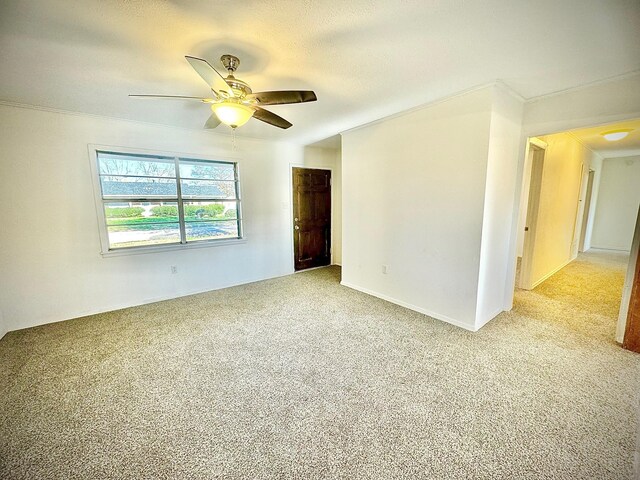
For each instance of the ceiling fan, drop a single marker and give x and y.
(233, 102)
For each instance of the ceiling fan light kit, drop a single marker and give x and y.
(232, 113)
(233, 102)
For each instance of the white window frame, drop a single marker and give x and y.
(143, 249)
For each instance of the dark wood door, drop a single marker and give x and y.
(311, 217)
(632, 331)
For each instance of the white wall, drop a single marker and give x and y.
(4, 328)
(617, 207)
(413, 195)
(504, 142)
(50, 262)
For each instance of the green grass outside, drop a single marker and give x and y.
(140, 220)
(139, 224)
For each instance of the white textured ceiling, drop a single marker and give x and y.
(364, 59)
(628, 146)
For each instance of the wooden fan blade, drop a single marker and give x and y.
(174, 97)
(212, 122)
(270, 118)
(209, 74)
(283, 96)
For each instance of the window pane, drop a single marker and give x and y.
(204, 211)
(117, 186)
(206, 170)
(121, 236)
(211, 230)
(140, 214)
(147, 223)
(144, 165)
(207, 189)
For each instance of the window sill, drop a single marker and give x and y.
(167, 248)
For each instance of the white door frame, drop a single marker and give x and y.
(586, 214)
(536, 151)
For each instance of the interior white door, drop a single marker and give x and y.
(525, 280)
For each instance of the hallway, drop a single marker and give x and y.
(567, 326)
(582, 298)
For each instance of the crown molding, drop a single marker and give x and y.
(577, 139)
(584, 86)
(420, 107)
(40, 108)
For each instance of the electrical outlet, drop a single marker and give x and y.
(385, 269)
(174, 269)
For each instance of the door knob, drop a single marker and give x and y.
(295, 219)
(297, 227)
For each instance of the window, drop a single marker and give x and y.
(153, 200)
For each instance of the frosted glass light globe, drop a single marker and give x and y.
(232, 113)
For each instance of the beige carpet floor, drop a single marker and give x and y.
(299, 377)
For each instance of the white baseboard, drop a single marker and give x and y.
(488, 319)
(415, 308)
(556, 270)
(553, 272)
(605, 249)
(146, 301)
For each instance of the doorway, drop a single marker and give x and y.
(526, 274)
(578, 221)
(311, 217)
(587, 210)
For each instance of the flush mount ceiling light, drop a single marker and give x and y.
(615, 135)
(233, 102)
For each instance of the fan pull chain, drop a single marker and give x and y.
(234, 143)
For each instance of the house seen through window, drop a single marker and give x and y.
(151, 200)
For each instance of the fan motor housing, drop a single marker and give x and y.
(238, 85)
(230, 62)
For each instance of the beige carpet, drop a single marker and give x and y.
(299, 377)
